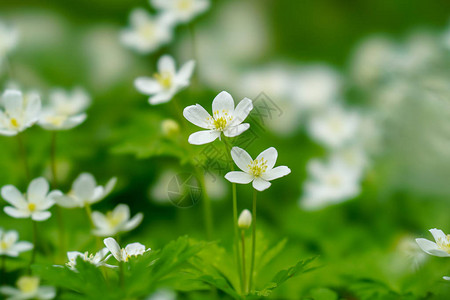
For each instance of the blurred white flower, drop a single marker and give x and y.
(98, 260)
(225, 119)
(167, 82)
(115, 221)
(441, 246)
(146, 33)
(334, 127)
(123, 254)
(34, 204)
(9, 37)
(85, 191)
(20, 112)
(65, 109)
(410, 250)
(170, 128)
(353, 157)
(181, 11)
(245, 219)
(9, 244)
(28, 288)
(329, 183)
(260, 171)
(163, 294)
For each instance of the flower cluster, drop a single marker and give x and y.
(440, 247)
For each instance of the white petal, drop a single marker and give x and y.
(10, 291)
(113, 247)
(110, 185)
(37, 190)
(13, 102)
(166, 64)
(46, 292)
(236, 130)
(133, 223)
(40, 215)
(15, 213)
(446, 278)
(223, 101)
(437, 234)
(162, 97)
(185, 72)
(197, 115)
(10, 237)
(270, 155)
(135, 249)
(239, 177)
(276, 173)
(431, 248)
(147, 86)
(99, 220)
(122, 211)
(241, 158)
(203, 137)
(72, 255)
(22, 246)
(241, 112)
(67, 201)
(83, 187)
(260, 184)
(14, 197)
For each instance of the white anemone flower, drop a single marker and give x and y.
(20, 112)
(167, 82)
(260, 171)
(123, 254)
(9, 244)
(28, 287)
(441, 246)
(85, 191)
(115, 221)
(181, 11)
(34, 204)
(225, 118)
(9, 38)
(98, 260)
(146, 33)
(65, 109)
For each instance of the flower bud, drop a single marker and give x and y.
(245, 219)
(170, 127)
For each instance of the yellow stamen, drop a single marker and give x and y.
(184, 4)
(14, 123)
(258, 167)
(164, 79)
(31, 207)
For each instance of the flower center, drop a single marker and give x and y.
(147, 31)
(164, 79)
(28, 284)
(220, 119)
(258, 167)
(444, 244)
(31, 207)
(14, 123)
(113, 219)
(184, 5)
(334, 181)
(56, 120)
(4, 245)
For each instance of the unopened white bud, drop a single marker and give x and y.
(245, 219)
(170, 127)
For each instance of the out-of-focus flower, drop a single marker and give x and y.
(123, 254)
(167, 82)
(441, 246)
(115, 221)
(9, 37)
(146, 33)
(330, 183)
(225, 119)
(19, 112)
(181, 11)
(28, 287)
(170, 127)
(65, 109)
(334, 127)
(34, 204)
(259, 171)
(85, 191)
(98, 260)
(9, 244)
(245, 219)
(353, 157)
(409, 249)
(163, 294)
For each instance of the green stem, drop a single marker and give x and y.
(35, 238)
(121, 275)
(23, 154)
(252, 264)
(88, 209)
(243, 258)
(207, 211)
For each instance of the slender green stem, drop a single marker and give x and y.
(88, 209)
(207, 211)
(243, 259)
(121, 274)
(23, 154)
(35, 239)
(252, 264)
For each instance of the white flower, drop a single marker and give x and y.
(181, 10)
(260, 171)
(99, 259)
(9, 245)
(330, 182)
(167, 82)
(225, 119)
(245, 219)
(147, 32)
(85, 191)
(34, 204)
(115, 221)
(334, 127)
(441, 246)
(19, 113)
(28, 288)
(8, 39)
(65, 109)
(446, 278)
(123, 254)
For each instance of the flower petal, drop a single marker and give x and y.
(241, 158)
(67, 201)
(166, 64)
(431, 248)
(37, 190)
(46, 292)
(236, 130)
(197, 115)
(40, 215)
(260, 184)
(114, 248)
(121, 212)
(84, 186)
(22, 246)
(13, 102)
(270, 155)
(437, 234)
(15, 213)
(185, 72)
(276, 173)
(223, 101)
(14, 197)
(147, 85)
(161, 97)
(203, 137)
(99, 220)
(241, 112)
(239, 177)
(133, 223)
